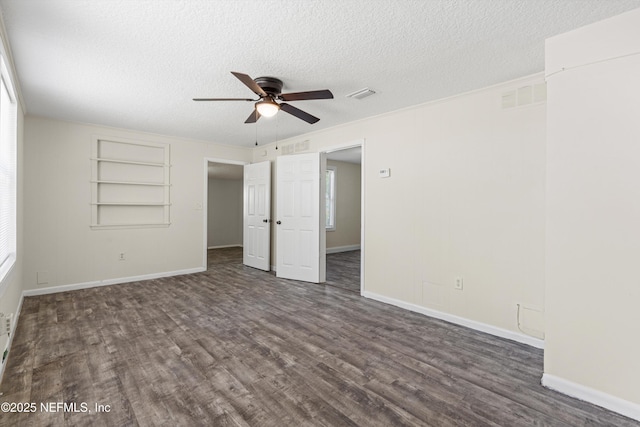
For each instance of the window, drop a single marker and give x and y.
(330, 195)
(8, 160)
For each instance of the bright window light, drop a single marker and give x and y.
(8, 161)
(330, 196)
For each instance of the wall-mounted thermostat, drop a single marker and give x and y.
(384, 173)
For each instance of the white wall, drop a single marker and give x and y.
(224, 213)
(593, 211)
(465, 198)
(58, 241)
(347, 232)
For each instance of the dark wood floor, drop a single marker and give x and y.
(343, 268)
(232, 255)
(237, 346)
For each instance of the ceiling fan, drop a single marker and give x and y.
(269, 91)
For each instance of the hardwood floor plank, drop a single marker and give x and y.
(343, 270)
(240, 347)
(272, 397)
(364, 408)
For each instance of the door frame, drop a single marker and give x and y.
(343, 146)
(205, 198)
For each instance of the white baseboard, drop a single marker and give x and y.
(107, 282)
(348, 248)
(604, 400)
(478, 326)
(224, 246)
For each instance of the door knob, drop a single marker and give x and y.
(278, 222)
(265, 220)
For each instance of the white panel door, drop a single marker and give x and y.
(256, 236)
(298, 217)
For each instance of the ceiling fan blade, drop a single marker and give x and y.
(301, 96)
(299, 113)
(248, 81)
(253, 117)
(224, 99)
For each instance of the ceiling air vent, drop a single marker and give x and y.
(362, 93)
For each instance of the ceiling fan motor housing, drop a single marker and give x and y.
(270, 85)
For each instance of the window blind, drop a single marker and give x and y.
(8, 160)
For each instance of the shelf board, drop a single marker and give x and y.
(120, 226)
(130, 204)
(150, 184)
(130, 162)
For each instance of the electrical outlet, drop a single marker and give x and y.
(457, 284)
(121, 257)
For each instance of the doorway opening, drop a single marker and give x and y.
(344, 215)
(223, 212)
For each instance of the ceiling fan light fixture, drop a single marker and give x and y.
(267, 108)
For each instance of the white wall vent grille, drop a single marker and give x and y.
(525, 95)
(362, 93)
(287, 149)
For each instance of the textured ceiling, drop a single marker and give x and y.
(138, 63)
